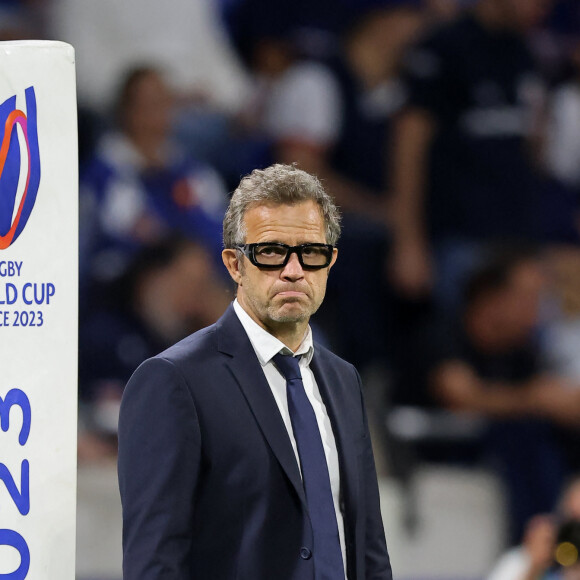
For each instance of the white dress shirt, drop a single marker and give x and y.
(266, 347)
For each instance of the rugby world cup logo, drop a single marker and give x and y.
(19, 166)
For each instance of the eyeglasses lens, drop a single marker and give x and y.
(276, 255)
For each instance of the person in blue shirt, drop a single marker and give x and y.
(141, 186)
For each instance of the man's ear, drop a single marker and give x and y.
(231, 261)
(334, 257)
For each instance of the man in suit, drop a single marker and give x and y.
(244, 451)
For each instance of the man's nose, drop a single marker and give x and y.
(293, 270)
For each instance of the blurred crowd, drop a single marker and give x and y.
(447, 130)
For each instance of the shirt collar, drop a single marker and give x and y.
(265, 345)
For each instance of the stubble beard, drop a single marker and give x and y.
(280, 314)
(275, 315)
(269, 311)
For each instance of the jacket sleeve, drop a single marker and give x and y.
(159, 457)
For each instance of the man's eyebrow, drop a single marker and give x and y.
(300, 243)
(293, 245)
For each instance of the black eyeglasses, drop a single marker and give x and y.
(274, 255)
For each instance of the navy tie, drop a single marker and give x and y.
(326, 551)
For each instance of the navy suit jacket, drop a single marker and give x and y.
(209, 482)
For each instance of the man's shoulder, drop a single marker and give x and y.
(196, 346)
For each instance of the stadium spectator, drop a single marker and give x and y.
(488, 362)
(537, 556)
(462, 172)
(169, 290)
(140, 185)
(333, 119)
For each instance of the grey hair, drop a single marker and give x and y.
(278, 185)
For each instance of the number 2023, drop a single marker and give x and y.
(11, 538)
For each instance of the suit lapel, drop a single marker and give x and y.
(331, 388)
(246, 370)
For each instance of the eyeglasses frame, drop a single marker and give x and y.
(249, 251)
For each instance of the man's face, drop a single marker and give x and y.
(151, 108)
(286, 296)
(519, 302)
